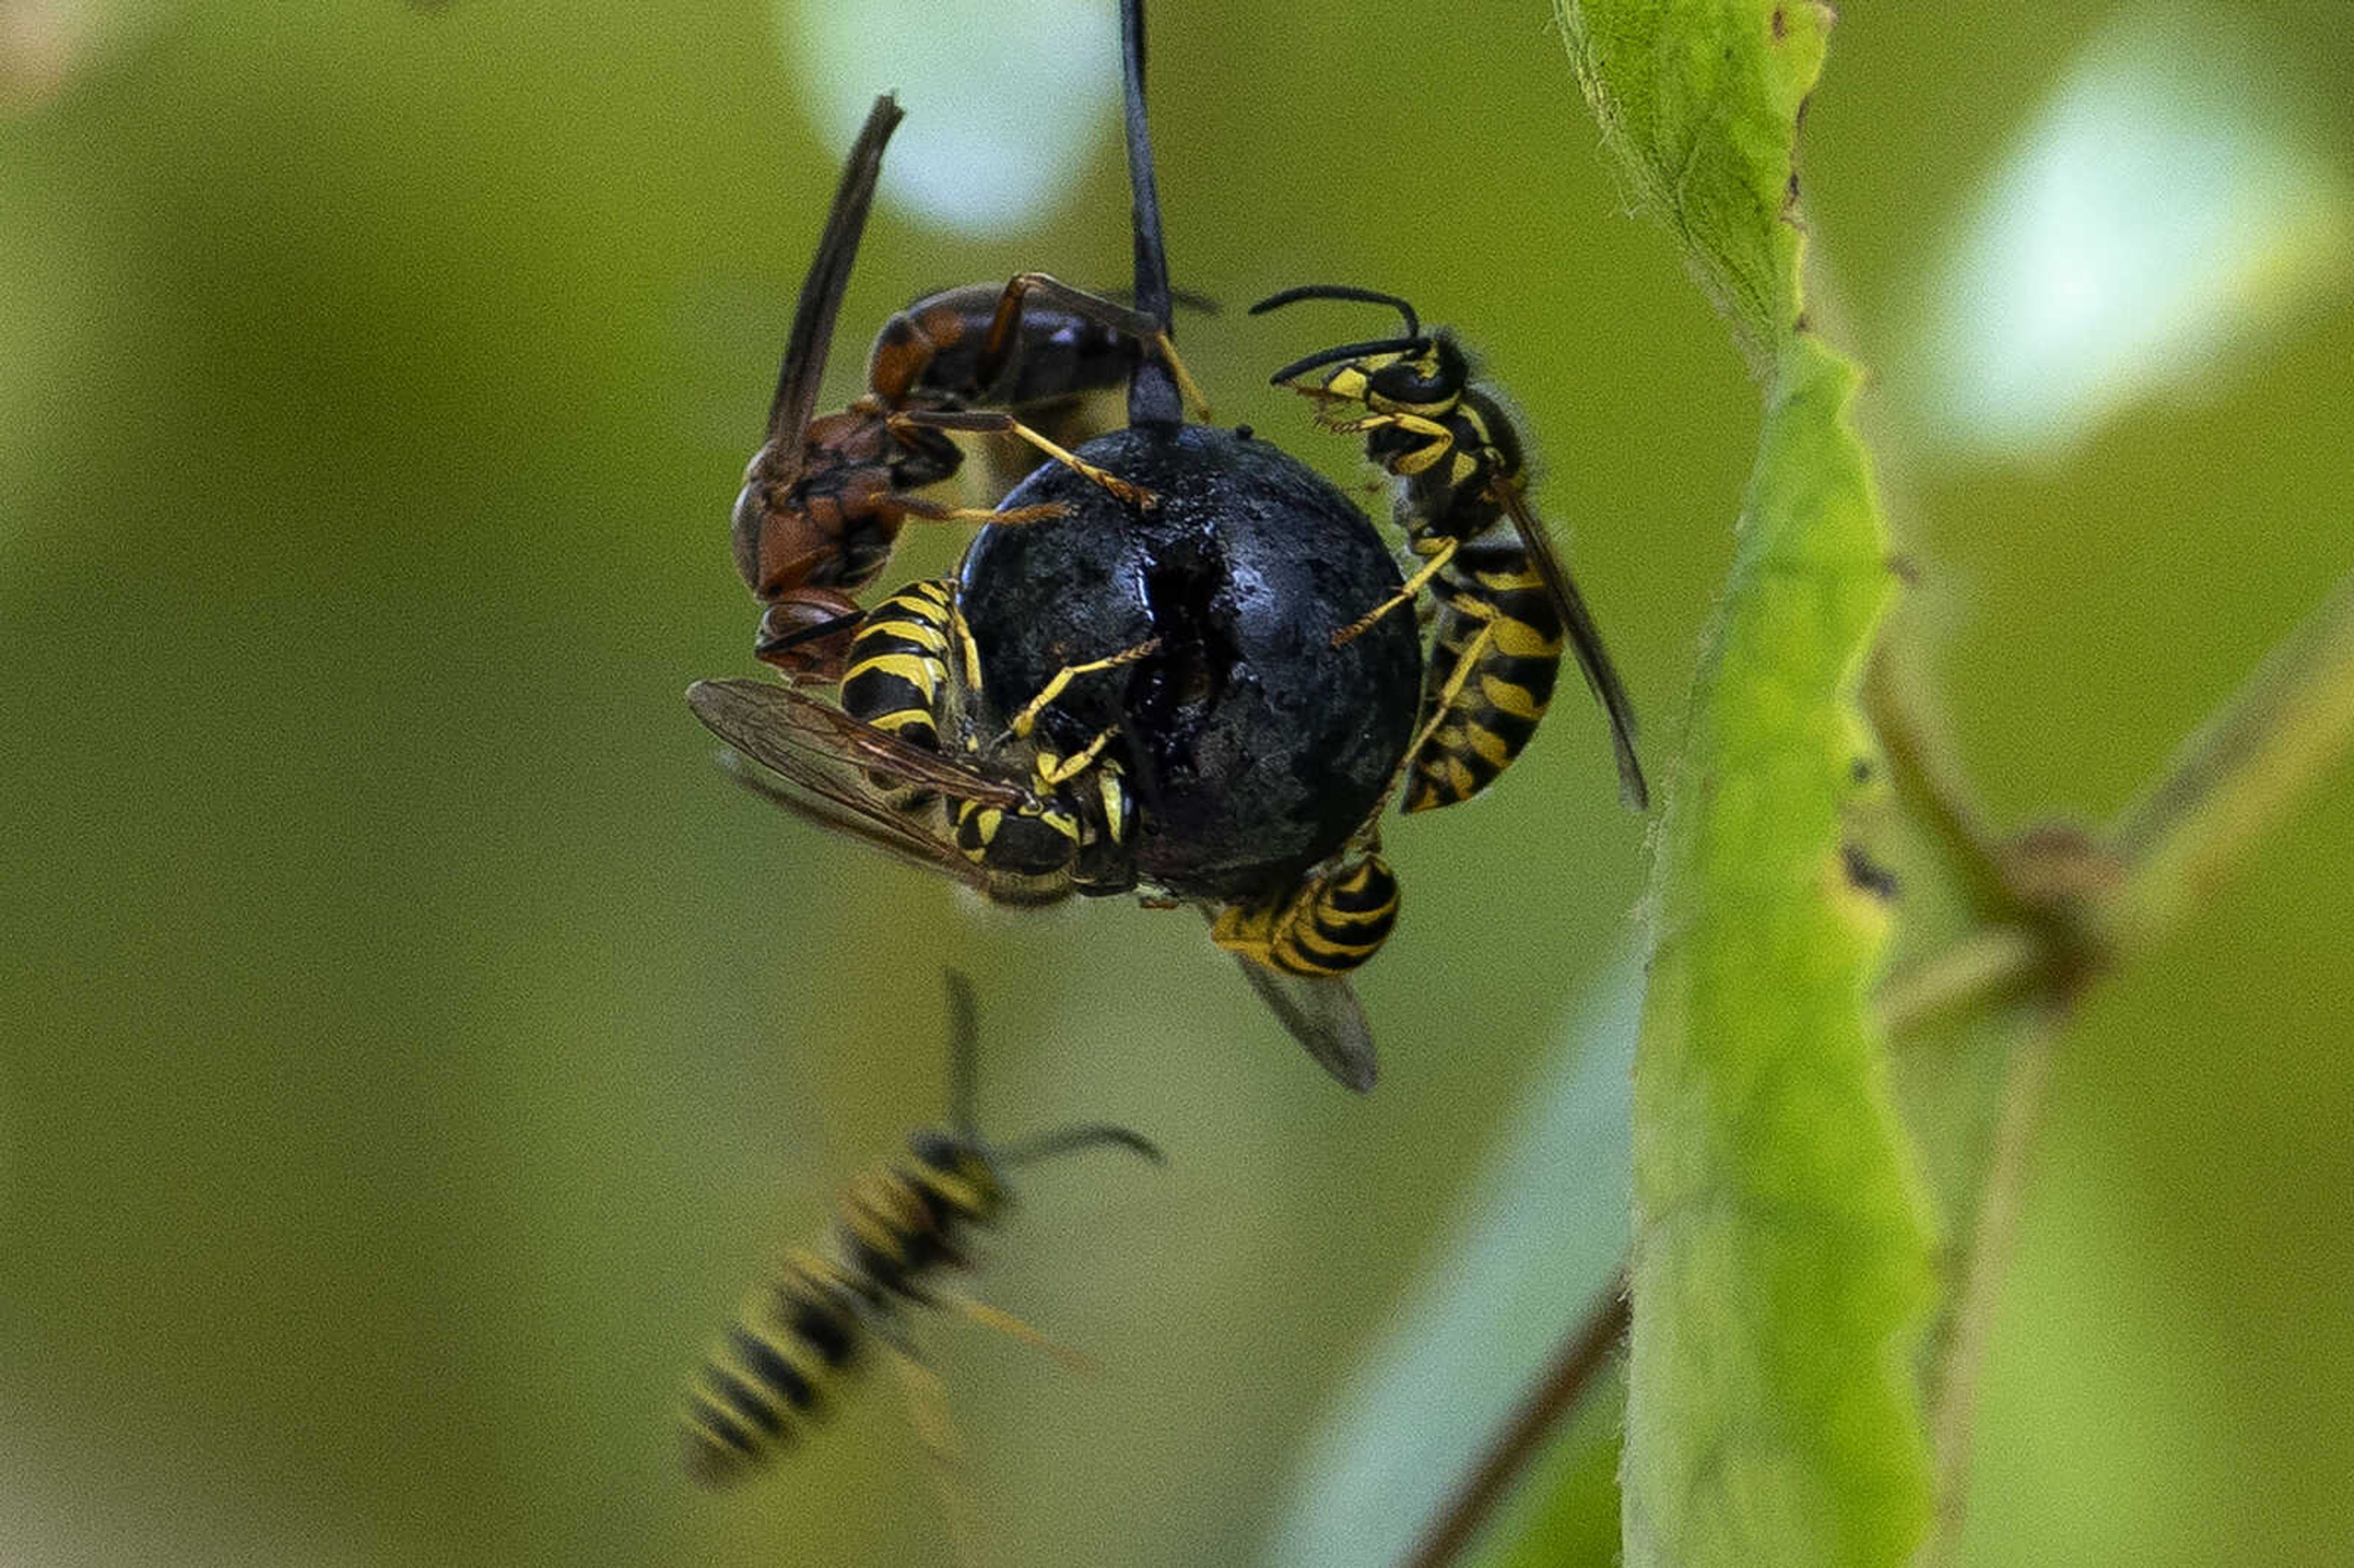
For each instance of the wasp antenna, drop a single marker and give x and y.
(1348, 351)
(1152, 396)
(1342, 291)
(964, 1053)
(829, 274)
(1071, 1140)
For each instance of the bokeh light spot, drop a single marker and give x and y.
(2158, 215)
(1005, 98)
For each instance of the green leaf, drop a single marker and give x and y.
(1781, 1260)
(1699, 98)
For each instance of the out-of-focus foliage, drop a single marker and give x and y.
(409, 1046)
(1008, 155)
(1537, 1237)
(2153, 226)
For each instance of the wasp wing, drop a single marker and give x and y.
(893, 837)
(1323, 1014)
(823, 759)
(829, 277)
(1585, 637)
(793, 734)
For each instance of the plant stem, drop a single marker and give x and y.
(1897, 698)
(1582, 1352)
(2240, 772)
(2053, 911)
(1954, 1399)
(1991, 964)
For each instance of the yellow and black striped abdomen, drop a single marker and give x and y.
(1327, 926)
(898, 663)
(1494, 660)
(769, 1374)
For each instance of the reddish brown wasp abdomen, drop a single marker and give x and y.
(910, 342)
(824, 498)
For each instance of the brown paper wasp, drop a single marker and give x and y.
(825, 497)
(901, 1225)
(1506, 600)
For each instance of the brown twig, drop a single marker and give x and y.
(1927, 787)
(2055, 905)
(1582, 1352)
(1991, 964)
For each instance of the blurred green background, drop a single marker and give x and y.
(411, 1046)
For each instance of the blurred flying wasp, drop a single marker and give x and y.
(900, 1226)
(825, 497)
(1505, 598)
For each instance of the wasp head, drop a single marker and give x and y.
(1417, 373)
(1424, 377)
(807, 634)
(958, 1171)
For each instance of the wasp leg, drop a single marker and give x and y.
(1072, 422)
(1053, 771)
(928, 1406)
(999, 1320)
(1466, 664)
(998, 423)
(937, 511)
(1120, 318)
(1027, 719)
(1442, 707)
(927, 1412)
(1414, 585)
(1437, 439)
(1187, 387)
